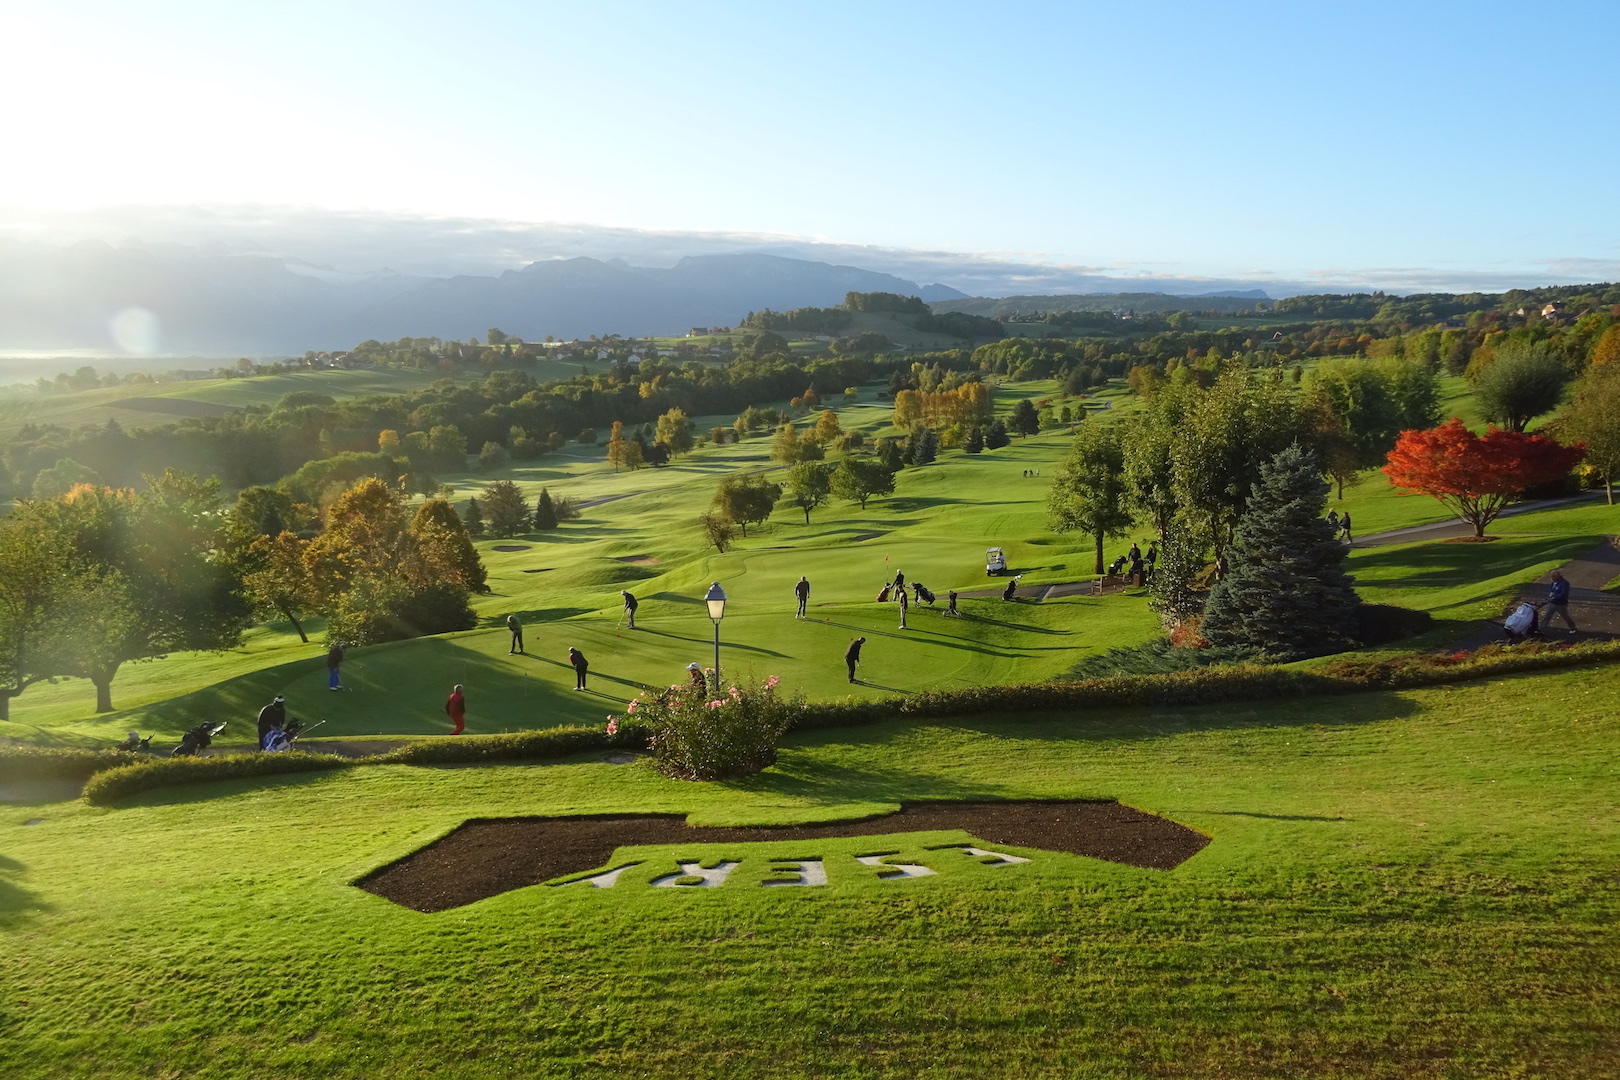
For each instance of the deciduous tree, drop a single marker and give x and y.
(1521, 383)
(809, 484)
(1089, 493)
(1476, 475)
(859, 479)
(1593, 418)
(746, 499)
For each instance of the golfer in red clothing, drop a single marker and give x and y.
(457, 708)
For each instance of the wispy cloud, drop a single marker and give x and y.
(355, 242)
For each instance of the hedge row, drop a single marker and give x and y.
(54, 763)
(548, 743)
(108, 787)
(1198, 686)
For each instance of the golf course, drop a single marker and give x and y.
(1400, 883)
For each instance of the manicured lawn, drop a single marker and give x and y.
(1399, 885)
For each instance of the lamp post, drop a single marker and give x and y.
(716, 599)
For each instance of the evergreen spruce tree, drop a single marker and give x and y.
(927, 448)
(1286, 593)
(975, 441)
(545, 514)
(473, 517)
(996, 437)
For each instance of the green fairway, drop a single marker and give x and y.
(639, 532)
(1403, 885)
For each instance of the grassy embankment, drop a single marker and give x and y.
(1415, 885)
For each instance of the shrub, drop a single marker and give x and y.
(698, 737)
(108, 787)
(1157, 657)
(549, 743)
(52, 763)
(1379, 624)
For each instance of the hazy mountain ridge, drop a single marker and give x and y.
(262, 304)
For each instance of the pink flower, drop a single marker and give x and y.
(715, 704)
(735, 693)
(613, 725)
(772, 682)
(633, 704)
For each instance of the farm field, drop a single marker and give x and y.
(1407, 884)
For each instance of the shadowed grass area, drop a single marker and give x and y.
(1414, 885)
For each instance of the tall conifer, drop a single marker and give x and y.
(1285, 593)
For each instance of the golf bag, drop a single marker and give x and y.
(134, 744)
(1011, 589)
(197, 738)
(280, 740)
(883, 596)
(1116, 566)
(1524, 622)
(923, 595)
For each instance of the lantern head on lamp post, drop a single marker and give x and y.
(716, 599)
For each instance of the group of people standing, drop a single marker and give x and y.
(1340, 524)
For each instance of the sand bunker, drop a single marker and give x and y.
(487, 857)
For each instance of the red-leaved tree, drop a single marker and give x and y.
(1476, 475)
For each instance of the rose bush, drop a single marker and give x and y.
(699, 734)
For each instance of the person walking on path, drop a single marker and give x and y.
(630, 606)
(1344, 525)
(580, 665)
(456, 707)
(1558, 602)
(852, 656)
(272, 716)
(514, 625)
(905, 604)
(1333, 521)
(802, 592)
(334, 660)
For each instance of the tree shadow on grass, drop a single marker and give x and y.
(1127, 724)
(828, 783)
(15, 900)
(1436, 565)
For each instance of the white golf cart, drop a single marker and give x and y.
(994, 562)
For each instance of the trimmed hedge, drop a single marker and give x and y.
(126, 780)
(1199, 686)
(547, 743)
(55, 763)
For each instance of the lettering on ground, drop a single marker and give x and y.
(486, 857)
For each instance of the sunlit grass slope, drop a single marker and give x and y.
(1403, 885)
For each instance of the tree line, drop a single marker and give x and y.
(98, 577)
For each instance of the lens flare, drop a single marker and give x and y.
(135, 329)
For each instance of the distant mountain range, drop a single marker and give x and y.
(70, 298)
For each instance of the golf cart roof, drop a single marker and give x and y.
(992, 551)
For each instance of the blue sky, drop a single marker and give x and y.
(1233, 140)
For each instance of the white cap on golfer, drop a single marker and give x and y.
(693, 666)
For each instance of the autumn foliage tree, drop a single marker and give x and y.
(1476, 475)
(380, 576)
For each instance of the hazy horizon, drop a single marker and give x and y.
(1060, 148)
